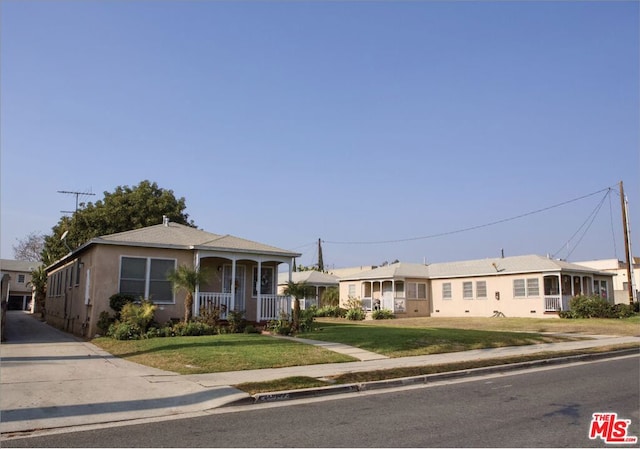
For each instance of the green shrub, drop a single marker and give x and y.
(281, 326)
(104, 321)
(355, 311)
(159, 332)
(250, 329)
(382, 314)
(211, 315)
(117, 301)
(356, 314)
(236, 322)
(124, 331)
(623, 310)
(192, 329)
(593, 306)
(331, 311)
(307, 317)
(140, 315)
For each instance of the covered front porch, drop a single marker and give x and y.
(384, 294)
(561, 287)
(241, 283)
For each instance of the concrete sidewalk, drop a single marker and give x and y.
(50, 379)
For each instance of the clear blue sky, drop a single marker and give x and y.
(285, 122)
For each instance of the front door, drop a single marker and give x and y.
(240, 284)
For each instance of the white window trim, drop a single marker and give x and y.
(478, 290)
(527, 294)
(147, 276)
(447, 293)
(417, 296)
(464, 295)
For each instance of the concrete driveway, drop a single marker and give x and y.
(50, 379)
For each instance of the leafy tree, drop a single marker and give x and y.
(39, 284)
(187, 278)
(297, 290)
(30, 248)
(125, 209)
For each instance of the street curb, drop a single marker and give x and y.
(287, 395)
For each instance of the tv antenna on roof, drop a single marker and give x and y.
(77, 194)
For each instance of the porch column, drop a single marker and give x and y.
(258, 292)
(233, 284)
(393, 295)
(196, 299)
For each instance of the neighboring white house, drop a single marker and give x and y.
(520, 286)
(620, 281)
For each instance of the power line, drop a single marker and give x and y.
(588, 222)
(471, 228)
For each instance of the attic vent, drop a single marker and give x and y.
(165, 220)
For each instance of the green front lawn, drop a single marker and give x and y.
(396, 341)
(234, 352)
(218, 353)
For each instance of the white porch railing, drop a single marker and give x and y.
(272, 306)
(554, 303)
(215, 300)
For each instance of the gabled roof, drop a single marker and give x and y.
(470, 268)
(177, 236)
(310, 277)
(393, 271)
(174, 235)
(18, 265)
(507, 265)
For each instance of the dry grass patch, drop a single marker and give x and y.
(593, 326)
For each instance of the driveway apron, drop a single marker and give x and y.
(49, 378)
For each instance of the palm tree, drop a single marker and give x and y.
(297, 290)
(187, 279)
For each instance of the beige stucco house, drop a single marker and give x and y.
(520, 286)
(15, 283)
(242, 275)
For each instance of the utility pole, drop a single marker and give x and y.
(627, 247)
(77, 194)
(320, 260)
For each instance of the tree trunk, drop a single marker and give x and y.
(296, 315)
(188, 305)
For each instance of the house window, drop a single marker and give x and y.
(533, 289)
(519, 289)
(446, 290)
(481, 289)
(147, 278)
(526, 287)
(265, 281)
(603, 289)
(416, 290)
(467, 290)
(399, 289)
(352, 290)
(21, 279)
